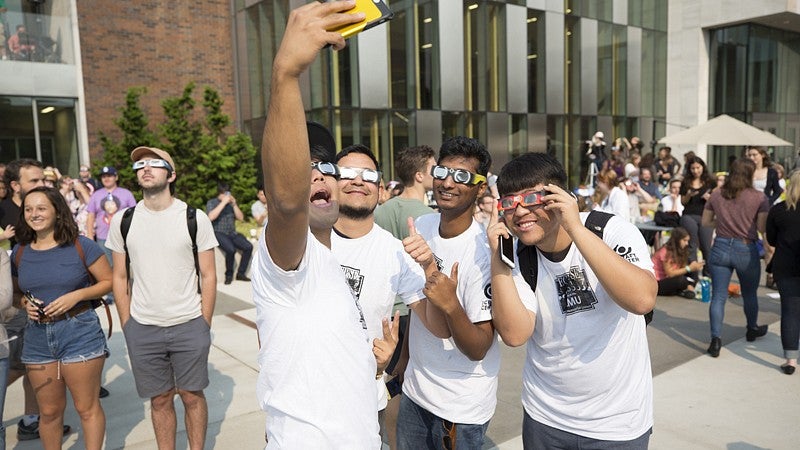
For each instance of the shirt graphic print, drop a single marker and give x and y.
(574, 292)
(356, 281)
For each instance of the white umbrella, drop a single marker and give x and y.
(725, 130)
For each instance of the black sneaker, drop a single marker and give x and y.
(104, 392)
(228, 280)
(242, 278)
(31, 432)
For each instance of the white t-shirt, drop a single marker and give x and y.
(587, 369)
(440, 378)
(616, 203)
(164, 290)
(257, 209)
(378, 270)
(667, 204)
(317, 371)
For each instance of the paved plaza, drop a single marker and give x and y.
(739, 401)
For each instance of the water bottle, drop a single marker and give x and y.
(705, 289)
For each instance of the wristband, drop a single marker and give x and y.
(688, 270)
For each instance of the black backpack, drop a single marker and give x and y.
(191, 224)
(529, 259)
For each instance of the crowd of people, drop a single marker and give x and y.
(412, 303)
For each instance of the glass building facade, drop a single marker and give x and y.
(40, 89)
(753, 74)
(516, 77)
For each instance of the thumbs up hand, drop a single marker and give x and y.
(417, 248)
(441, 289)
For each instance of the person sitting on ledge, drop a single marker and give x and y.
(675, 274)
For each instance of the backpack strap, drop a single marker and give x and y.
(528, 264)
(596, 222)
(18, 256)
(191, 223)
(125, 226)
(98, 301)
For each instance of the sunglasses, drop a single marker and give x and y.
(326, 168)
(528, 199)
(368, 175)
(459, 175)
(155, 163)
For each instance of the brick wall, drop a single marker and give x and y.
(159, 44)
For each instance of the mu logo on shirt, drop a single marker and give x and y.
(574, 293)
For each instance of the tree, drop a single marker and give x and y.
(203, 153)
(231, 157)
(133, 123)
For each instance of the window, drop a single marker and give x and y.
(536, 61)
(485, 56)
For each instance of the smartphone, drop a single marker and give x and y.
(376, 11)
(39, 307)
(394, 387)
(507, 250)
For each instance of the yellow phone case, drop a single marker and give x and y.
(376, 13)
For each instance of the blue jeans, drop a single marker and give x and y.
(3, 380)
(417, 428)
(727, 255)
(229, 243)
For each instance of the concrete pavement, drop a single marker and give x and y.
(737, 401)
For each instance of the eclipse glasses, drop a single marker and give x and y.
(460, 176)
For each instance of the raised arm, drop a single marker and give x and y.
(632, 288)
(284, 154)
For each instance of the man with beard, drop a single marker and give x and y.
(317, 370)
(164, 310)
(374, 262)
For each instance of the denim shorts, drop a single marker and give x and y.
(74, 339)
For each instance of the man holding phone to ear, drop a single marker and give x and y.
(587, 380)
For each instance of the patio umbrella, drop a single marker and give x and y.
(725, 130)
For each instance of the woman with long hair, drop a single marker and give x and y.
(739, 213)
(695, 190)
(766, 180)
(610, 197)
(783, 232)
(676, 275)
(53, 269)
